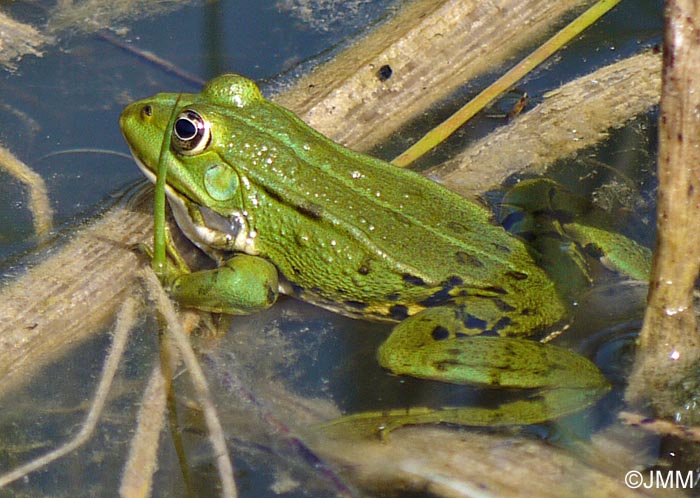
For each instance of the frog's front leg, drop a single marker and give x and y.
(437, 344)
(241, 285)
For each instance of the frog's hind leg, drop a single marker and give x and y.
(439, 344)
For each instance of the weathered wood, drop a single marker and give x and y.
(669, 341)
(442, 462)
(575, 116)
(433, 48)
(71, 294)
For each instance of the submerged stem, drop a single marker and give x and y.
(125, 322)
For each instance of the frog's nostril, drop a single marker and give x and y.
(147, 110)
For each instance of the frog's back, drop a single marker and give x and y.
(414, 220)
(414, 242)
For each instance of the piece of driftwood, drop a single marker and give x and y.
(669, 341)
(575, 116)
(452, 464)
(433, 48)
(71, 294)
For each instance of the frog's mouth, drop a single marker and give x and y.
(207, 229)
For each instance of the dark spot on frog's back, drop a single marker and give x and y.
(473, 322)
(440, 333)
(413, 280)
(501, 324)
(311, 210)
(502, 305)
(454, 281)
(467, 259)
(445, 293)
(458, 227)
(496, 290)
(502, 248)
(517, 275)
(398, 312)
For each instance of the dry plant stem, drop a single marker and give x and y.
(141, 464)
(142, 460)
(669, 341)
(125, 322)
(151, 57)
(39, 203)
(575, 116)
(199, 382)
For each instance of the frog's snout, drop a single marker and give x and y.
(125, 118)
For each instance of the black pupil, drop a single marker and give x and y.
(185, 129)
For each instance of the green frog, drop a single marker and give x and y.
(283, 209)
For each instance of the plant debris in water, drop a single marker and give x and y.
(329, 15)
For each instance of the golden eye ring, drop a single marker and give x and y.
(191, 133)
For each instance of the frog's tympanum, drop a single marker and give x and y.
(284, 209)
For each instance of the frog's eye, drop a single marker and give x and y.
(191, 133)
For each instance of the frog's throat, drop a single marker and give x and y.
(212, 231)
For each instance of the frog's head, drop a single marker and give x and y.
(200, 165)
(196, 169)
